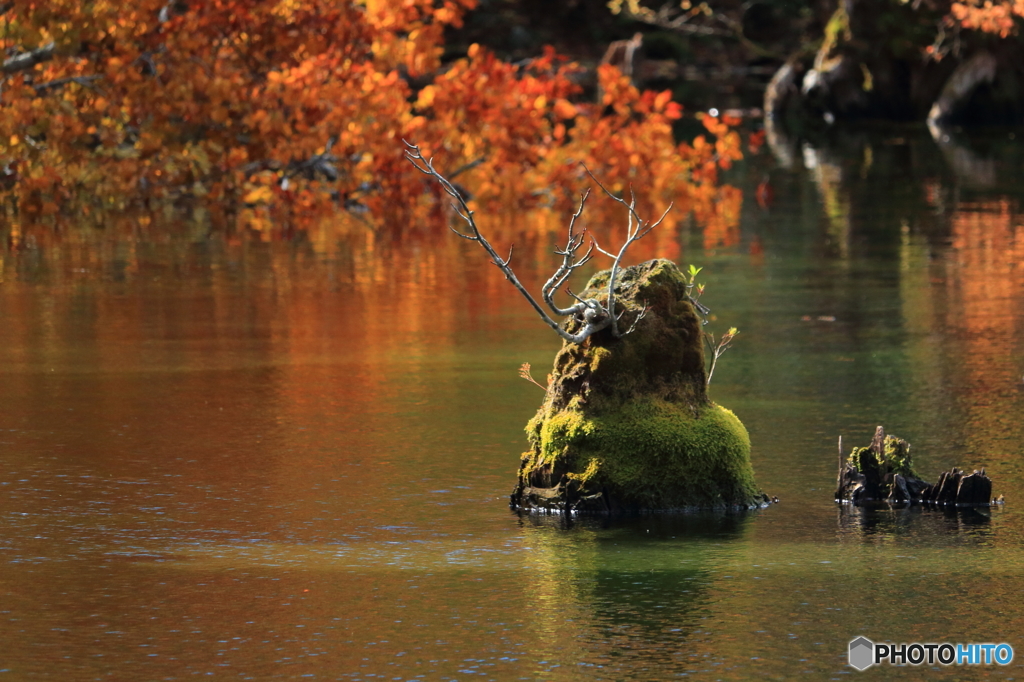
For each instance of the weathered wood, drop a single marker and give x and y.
(882, 473)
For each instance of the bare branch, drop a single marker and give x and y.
(464, 236)
(572, 295)
(641, 315)
(84, 81)
(466, 218)
(669, 16)
(631, 207)
(593, 316)
(598, 247)
(466, 167)
(703, 309)
(568, 254)
(26, 60)
(593, 322)
(673, 17)
(636, 229)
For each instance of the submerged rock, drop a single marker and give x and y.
(626, 424)
(883, 473)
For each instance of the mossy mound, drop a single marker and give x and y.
(626, 424)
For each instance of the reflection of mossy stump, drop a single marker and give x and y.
(626, 424)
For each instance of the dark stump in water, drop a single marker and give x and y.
(882, 472)
(626, 424)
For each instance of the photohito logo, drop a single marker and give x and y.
(864, 653)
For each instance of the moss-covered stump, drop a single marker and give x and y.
(883, 473)
(626, 424)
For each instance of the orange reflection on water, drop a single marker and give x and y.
(986, 290)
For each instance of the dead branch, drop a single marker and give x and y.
(594, 316)
(636, 229)
(674, 17)
(317, 166)
(84, 81)
(569, 264)
(26, 60)
(683, 18)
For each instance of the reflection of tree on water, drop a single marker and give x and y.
(625, 593)
(885, 523)
(869, 186)
(931, 231)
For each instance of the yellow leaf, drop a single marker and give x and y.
(260, 195)
(426, 97)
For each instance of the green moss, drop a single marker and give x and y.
(895, 458)
(533, 429)
(857, 457)
(656, 454)
(589, 473)
(559, 432)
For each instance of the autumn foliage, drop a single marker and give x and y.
(989, 16)
(284, 112)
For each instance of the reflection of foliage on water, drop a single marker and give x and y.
(629, 593)
(341, 249)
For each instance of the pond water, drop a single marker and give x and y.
(286, 460)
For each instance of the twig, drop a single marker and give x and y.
(84, 81)
(524, 373)
(672, 17)
(26, 60)
(568, 254)
(718, 350)
(466, 167)
(636, 229)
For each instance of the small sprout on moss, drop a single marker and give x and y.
(691, 276)
(524, 373)
(718, 349)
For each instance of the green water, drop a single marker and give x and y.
(261, 461)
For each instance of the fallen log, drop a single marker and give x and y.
(883, 473)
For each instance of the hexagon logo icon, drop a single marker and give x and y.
(862, 653)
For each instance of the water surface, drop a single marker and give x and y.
(246, 460)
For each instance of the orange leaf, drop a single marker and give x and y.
(564, 109)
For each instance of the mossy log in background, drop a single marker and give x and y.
(883, 473)
(626, 424)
